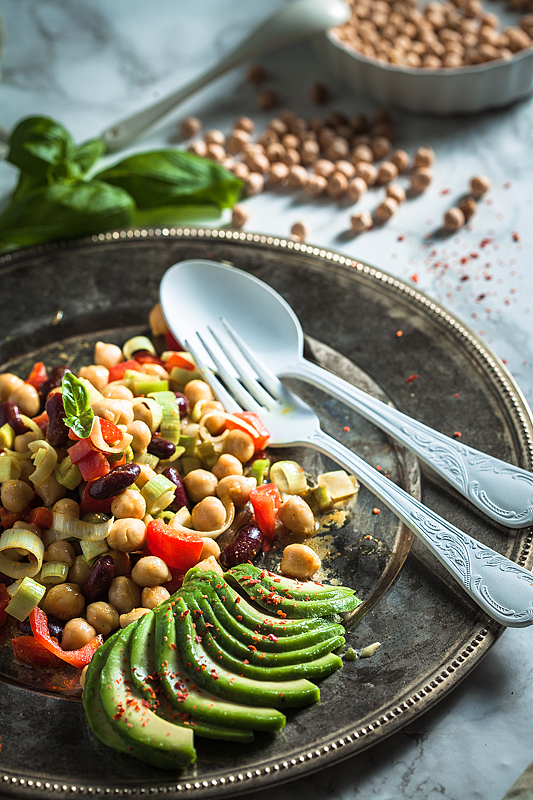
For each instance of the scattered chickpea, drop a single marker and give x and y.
(189, 127)
(237, 141)
(423, 157)
(361, 222)
(215, 152)
(214, 137)
(367, 172)
(362, 152)
(244, 124)
(479, 185)
(300, 561)
(386, 209)
(299, 230)
(387, 172)
(253, 184)
(420, 179)
(297, 177)
(267, 99)
(199, 148)
(396, 191)
(381, 147)
(453, 219)
(468, 206)
(240, 170)
(337, 185)
(401, 159)
(356, 189)
(346, 167)
(278, 173)
(324, 167)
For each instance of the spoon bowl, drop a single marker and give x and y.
(196, 292)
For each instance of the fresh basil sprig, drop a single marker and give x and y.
(58, 194)
(77, 405)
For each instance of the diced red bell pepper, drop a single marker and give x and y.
(253, 426)
(28, 650)
(178, 549)
(40, 516)
(8, 518)
(172, 342)
(88, 505)
(79, 450)
(4, 600)
(37, 375)
(181, 361)
(94, 465)
(117, 371)
(266, 500)
(78, 658)
(42, 421)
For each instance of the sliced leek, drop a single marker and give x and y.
(339, 484)
(158, 493)
(92, 550)
(170, 427)
(135, 344)
(44, 459)
(147, 458)
(27, 596)
(148, 384)
(20, 539)
(9, 468)
(80, 529)
(99, 442)
(289, 477)
(260, 470)
(54, 572)
(7, 437)
(67, 473)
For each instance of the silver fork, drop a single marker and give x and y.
(503, 589)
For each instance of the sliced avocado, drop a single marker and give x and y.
(208, 673)
(142, 662)
(287, 587)
(187, 697)
(311, 662)
(151, 738)
(92, 701)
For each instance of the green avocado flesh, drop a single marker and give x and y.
(208, 662)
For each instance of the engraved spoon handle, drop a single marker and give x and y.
(503, 589)
(501, 490)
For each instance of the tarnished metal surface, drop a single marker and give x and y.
(432, 635)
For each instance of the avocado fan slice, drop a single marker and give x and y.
(184, 693)
(287, 587)
(230, 653)
(151, 738)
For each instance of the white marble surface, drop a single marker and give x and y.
(91, 62)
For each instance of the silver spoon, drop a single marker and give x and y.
(196, 292)
(295, 21)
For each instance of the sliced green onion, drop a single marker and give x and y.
(208, 452)
(44, 460)
(322, 497)
(339, 484)
(92, 550)
(259, 470)
(80, 529)
(147, 458)
(67, 473)
(166, 516)
(154, 408)
(7, 437)
(182, 376)
(289, 477)
(149, 385)
(188, 443)
(135, 344)
(54, 572)
(19, 538)
(170, 427)
(27, 596)
(158, 493)
(9, 468)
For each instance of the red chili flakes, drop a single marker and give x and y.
(457, 434)
(411, 378)
(281, 613)
(485, 242)
(399, 333)
(516, 237)
(445, 191)
(464, 260)
(474, 255)
(375, 511)
(401, 237)
(414, 277)
(456, 394)
(464, 278)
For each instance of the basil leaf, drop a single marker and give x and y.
(64, 210)
(174, 177)
(38, 143)
(87, 154)
(77, 405)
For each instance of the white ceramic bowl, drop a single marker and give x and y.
(459, 90)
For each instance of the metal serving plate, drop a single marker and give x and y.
(57, 300)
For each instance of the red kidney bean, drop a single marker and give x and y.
(114, 482)
(9, 412)
(161, 448)
(180, 495)
(99, 579)
(56, 431)
(146, 357)
(245, 546)
(183, 404)
(55, 627)
(54, 380)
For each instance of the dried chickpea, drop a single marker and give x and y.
(337, 185)
(275, 151)
(127, 534)
(401, 159)
(381, 147)
(309, 152)
(254, 184)
(297, 177)
(107, 355)
(153, 596)
(319, 93)
(26, 397)
(130, 505)
(387, 172)
(479, 185)
(150, 571)
(338, 148)
(278, 126)
(237, 141)
(97, 375)
(324, 167)
(356, 189)
(240, 170)
(267, 99)
(124, 594)
(453, 219)
(256, 74)
(216, 152)
(291, 157)
(420, 179)
(103, 617)
(189, 127)
(299, 561)
(8, 384)
(468, 206)
(367, 172)
(299, 231)
(362, 152)
(239, 444)
(239, 216)
(361, 222)
(214, 137)
(423, 157)
(244, 124)
(316, 185)
(386, 209)
(15, 495)
(76, 633)
(209, 514)
(396, 191)
(278, 173)
(198, 148)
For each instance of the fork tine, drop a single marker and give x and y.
(209, 376)
(268, 379)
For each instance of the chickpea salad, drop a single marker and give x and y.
(118, 480)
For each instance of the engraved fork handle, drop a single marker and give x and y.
(503, 589)
(501, 490)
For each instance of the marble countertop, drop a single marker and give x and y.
(90, 63)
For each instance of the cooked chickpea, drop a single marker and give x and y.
(147, 473)
(26, 397)
(60, 551)
(22, 441)
(9, 383)
(197, 390)
(297, 516)
(210, 549)
(142, 435)
(127, 534)
(153, 596)
(208, 515)
(50, 491)
(124, 594)
(97, 375)
(117, 391)
(236, 488)
(200, 483)
(103, 617)
(79, 571)
(132, 616)
(68, 507)
(129, 504)
(208, 564)
(76, 633)
(65, 601)
(15, 495)
(299, 561)
(150, 571)
(83, 675)
(239, 444)
(118, 411)
(227, 465)
(107, 355)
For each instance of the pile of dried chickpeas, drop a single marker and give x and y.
(454, 33)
